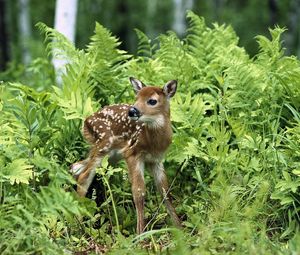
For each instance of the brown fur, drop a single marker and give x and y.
(141, 143)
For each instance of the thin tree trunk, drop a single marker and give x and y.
(151, 9)
(25, 30)
(180, 8)
(292, 37)
(273, 8)
(4, 55)
(65, 23)
(218, 5)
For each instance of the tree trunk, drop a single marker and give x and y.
(25, 30)
(65, 23)
(151, 11)
(4, 56)
(292, 37)
(273, 8)
(180, 8)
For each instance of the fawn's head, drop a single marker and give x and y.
(152, 103)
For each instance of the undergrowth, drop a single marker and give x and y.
(234, 160)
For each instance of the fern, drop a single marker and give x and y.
(236, 140)
(174, 59)
(18, 171)
(191, 111)
(105, 46)
(58, 45)
(107, 62)
(270, 50)
(145, 48)
(205, 43)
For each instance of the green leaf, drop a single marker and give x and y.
(18, 171)
(296, 172)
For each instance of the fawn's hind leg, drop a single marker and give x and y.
(84, 171)
(86, 177)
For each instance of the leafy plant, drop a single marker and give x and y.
(234, 157)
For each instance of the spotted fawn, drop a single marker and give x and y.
(140, 133)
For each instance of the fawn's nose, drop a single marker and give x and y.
(134, 113)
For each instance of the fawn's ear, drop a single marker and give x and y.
(137, 84)
(170, 88)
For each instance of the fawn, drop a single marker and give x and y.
(141, 133)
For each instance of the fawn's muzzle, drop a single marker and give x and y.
(134, 113)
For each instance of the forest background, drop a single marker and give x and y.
(234, 161)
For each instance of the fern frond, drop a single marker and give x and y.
(104, 46)
(76, 80)
(190, 113)
(57, 44)
(271, 50)
(205, 43)
(196, 31)
(145, 48)
(108, 66)
(18, 171)
(176, 62)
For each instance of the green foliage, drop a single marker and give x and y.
(235, 152)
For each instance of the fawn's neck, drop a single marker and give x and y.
(157, 136)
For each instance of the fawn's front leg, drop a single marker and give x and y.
(161, 182)
(136, 175)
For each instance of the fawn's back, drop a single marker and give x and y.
(112, 129)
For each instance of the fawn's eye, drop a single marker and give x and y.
(152, 101)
